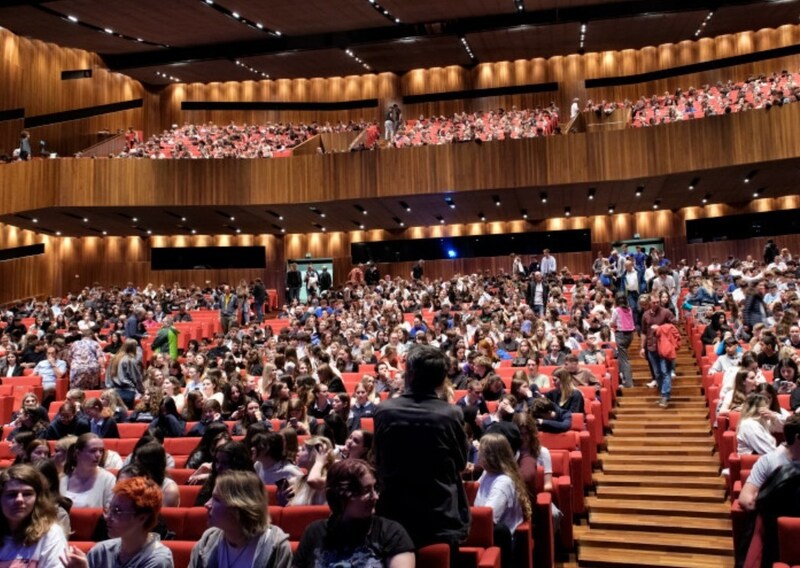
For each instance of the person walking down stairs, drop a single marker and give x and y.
(653, 316)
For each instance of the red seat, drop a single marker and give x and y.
(789, 540)
(480, 542)
(132, 430)
(180, 475)
(175, 519)
(294, 520)
(196, 522)
(188, 494)
(83, 522)
(180, 446)
(181, 551)
(433, 556)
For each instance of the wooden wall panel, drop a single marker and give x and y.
(34, 68)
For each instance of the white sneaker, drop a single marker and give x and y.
(652, 384)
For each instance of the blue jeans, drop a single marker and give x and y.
(128, 396)
(662, 368)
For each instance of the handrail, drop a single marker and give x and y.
(112, 145)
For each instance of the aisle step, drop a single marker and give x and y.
(641, 541)
(657, 479)
(664, 523)
(666, 469)
(658, 493)
(655, 441)
(676, 432)
(657, 461)
(717, 510)
(647, 450)
(592, 556)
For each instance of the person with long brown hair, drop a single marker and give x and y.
(565, 395)
(31, 535)
(501, 487)
(124, 373)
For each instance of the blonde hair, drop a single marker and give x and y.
(752, 407)
(497, 457)
(244, 492)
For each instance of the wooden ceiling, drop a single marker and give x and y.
(725, 185)
(288, 39)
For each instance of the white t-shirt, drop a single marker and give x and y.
(754, 438)
(98, 496)
(498, 492)
(45, 553)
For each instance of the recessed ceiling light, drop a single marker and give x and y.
(35, 220)
(85, 220)
(135, 219)
(72, 19)
(194, 231)
(105, 232)
(58, 233)
(149, 232)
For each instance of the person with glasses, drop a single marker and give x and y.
(240, 533)
(131, 515)
(31, 535)
(51, 368)
(353, 535)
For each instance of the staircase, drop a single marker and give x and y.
(660, 499)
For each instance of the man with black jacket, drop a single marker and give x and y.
(420, 451)
(259, 299)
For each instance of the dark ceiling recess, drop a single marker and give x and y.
(140, 39)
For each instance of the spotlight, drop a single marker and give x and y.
(496, 200)
(590, 193)
(35, 220)
(705, 199)
(524, 213)
(405, 206)
(656, 203)
(543, 196)
(749, 177)
(482, 217)
(611, 208)
(693, 183)
(58, 233)
(759, 192)
(567, 211)
(639, 191)
(450, 203)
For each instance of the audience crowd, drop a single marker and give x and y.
(292, 376)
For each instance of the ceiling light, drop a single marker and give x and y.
(72, 19)
(238, 231)
(135, 219)
(58, 233)
(209, 2)
(105, 233)
(450, 202)
(149, 232)
(481, 216)
(397, 220)
(705, 199)
(567, 211)
(639, 191)
(108, 30)
(235, 15)
(590, 193)
(194, 231)
(760, 191)
(611, 208)
(749, 177)
(543, 196)
(232, 218)
(656, 203)
(35, 220)
(440, 219)
(405, 206)
(85, 219)
(524, 213)
(496, 200)
(183, 219)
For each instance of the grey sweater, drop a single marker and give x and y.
(272, 550)
(152, 555)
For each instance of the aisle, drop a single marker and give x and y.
(660, 500)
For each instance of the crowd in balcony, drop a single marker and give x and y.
(211, 141)
(757, 92)
(481, 126)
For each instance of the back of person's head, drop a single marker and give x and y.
(243, 492)
(426, 369)
(44, 509)
(232, 456)
(49, 470)
(344, 483)
(270, 444)
(145, 495)
(753, 405)
(542, 407)
(152, 458)
(335, 428)
(791, 429)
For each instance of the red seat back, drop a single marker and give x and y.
(181, 551)
(189, 494)
(789, 540)
(481, 530)
(294, 520)
(83, 522)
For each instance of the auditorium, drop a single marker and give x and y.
(490, 283)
